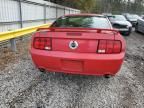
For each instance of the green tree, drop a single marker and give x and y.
(102, 6)
(85, 5)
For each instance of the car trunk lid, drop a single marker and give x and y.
(77, 39)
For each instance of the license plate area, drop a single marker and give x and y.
(72, 65)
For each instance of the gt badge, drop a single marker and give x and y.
(73, 44)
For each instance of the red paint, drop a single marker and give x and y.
(86, 59)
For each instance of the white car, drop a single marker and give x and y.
(120, 23)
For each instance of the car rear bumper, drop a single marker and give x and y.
(77, 63)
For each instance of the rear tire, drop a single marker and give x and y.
(42, 70)
(107, 76)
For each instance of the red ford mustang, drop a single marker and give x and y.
(79, 44)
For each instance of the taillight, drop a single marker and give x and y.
(42, 43)
(109, 46)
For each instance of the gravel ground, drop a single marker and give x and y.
(23, 86)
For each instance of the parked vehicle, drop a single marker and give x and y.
(132, 18)
(140, 25)
(79, 44)
(120, 23)
(142, 16)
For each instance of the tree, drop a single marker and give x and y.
(102, 6)
(68, 3)
(85, 5)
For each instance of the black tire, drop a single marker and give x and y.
(126, 33)
(42, 70)
(107, 76)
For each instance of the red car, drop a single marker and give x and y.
(79, 44)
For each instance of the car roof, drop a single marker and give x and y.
(98, 15)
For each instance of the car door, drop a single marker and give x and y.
(141, 25)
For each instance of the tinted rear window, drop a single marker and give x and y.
(82, 22)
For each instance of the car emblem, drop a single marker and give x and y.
(73, 44)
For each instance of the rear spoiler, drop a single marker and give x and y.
(96, 30)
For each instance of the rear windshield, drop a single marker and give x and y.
(82, 22)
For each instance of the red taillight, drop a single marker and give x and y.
(109, 46)
(117, 47)
(42, 43)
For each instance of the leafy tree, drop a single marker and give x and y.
(109, 6)
(85, 5)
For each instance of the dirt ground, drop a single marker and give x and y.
(23, 86)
